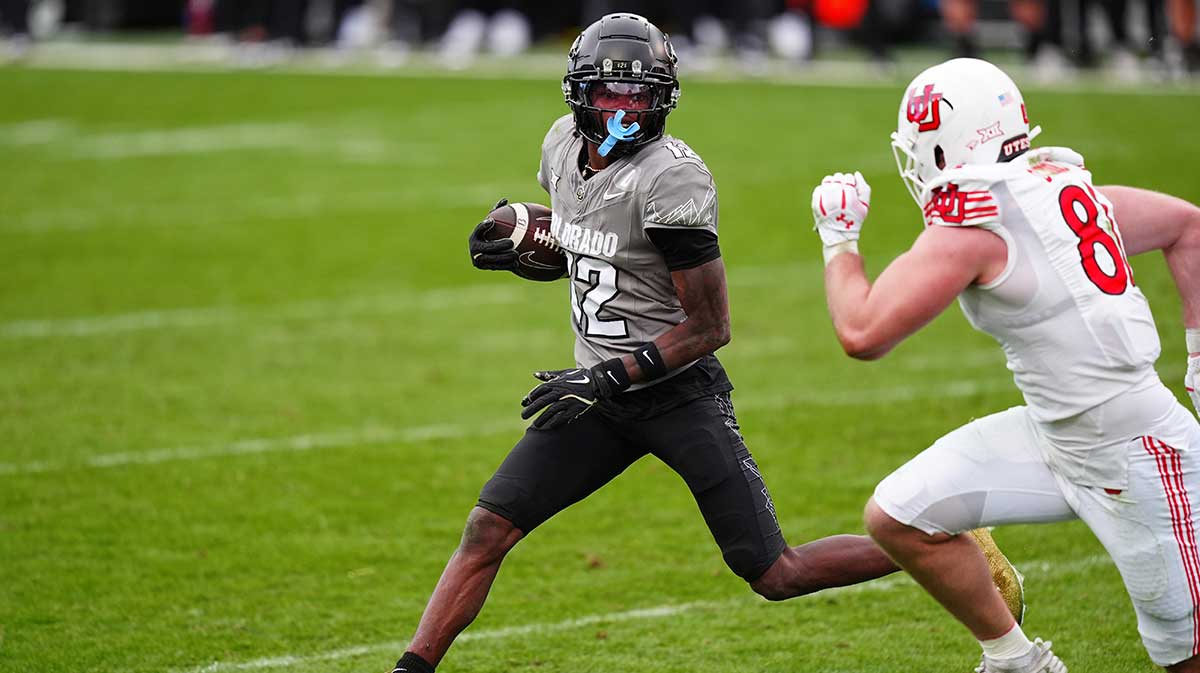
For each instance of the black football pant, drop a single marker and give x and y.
(548, 471)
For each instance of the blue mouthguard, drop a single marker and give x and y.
(617, 133)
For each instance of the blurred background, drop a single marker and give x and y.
(1120, 40)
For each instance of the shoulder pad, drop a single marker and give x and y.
(1062, 155)
(962, 197)
(972, 176)
(562, 127)
(668, 151)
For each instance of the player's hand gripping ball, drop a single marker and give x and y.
(516, 237)
(840, 204)
(488, 251)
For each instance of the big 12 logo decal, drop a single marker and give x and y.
(922, 105)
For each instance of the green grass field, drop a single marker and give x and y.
(251, 385)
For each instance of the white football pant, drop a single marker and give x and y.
(996, 470)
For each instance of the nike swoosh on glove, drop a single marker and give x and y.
(566, 394)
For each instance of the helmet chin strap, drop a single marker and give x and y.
(617, 133)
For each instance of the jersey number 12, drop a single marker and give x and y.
(593, 286)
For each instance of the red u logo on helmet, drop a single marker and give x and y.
(923, 105)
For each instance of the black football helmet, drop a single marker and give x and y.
(622, 48)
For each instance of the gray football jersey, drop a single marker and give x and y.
(622, 294)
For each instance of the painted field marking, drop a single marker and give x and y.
(374, 435)
(199, 212)
(431, 299)
(1047, 569)
(184, 318)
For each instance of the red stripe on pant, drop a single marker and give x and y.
(1170, 472)
(1190, 527)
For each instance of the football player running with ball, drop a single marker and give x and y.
(1033, 253)
(635, 212)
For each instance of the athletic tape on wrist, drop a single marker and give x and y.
(650, 361)
(1193, 339)
(836, 249)
(611, 378)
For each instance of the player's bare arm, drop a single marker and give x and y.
(1155, 221)
(704, 298)
(872, 318)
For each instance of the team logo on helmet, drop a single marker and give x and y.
(923, 108)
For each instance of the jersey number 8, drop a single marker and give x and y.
(1080, 213)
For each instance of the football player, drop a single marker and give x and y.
(1033, 253)
(635, 212)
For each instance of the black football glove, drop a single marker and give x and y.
(566, 394)
(491, 255)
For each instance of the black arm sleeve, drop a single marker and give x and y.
(684, 248)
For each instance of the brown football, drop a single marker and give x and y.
(527, 225)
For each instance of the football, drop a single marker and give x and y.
(527, 225)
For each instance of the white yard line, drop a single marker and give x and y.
(36, 132)
(1032, 569)
(295, 443)
(397, 646)
(868, 395)
(183, 318)
(383, 435)
(432, 299)
(190, 140)
(328, 142)
(195, 211)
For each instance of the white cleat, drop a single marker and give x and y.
(1039, 659)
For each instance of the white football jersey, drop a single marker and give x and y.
(1073, 324)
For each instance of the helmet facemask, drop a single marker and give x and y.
(624, 57)
(647, 103)
(904, 152)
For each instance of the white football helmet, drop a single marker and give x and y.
(966, 110)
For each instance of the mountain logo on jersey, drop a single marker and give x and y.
(687, 213)
(923, 108)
